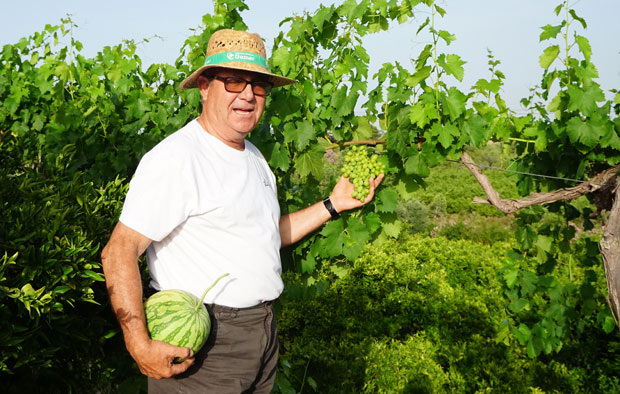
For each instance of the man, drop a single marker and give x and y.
(203, 203)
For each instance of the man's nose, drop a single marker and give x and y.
(247, 93)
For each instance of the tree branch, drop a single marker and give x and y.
(510, 205)
(359, 142)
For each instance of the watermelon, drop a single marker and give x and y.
(179, 318)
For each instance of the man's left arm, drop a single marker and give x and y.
(297, 225)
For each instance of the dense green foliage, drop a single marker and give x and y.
(420, 315)
(425, 316)
(55, 323)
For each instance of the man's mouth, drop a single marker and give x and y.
(243, 110)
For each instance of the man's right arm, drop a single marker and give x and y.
(124, 284)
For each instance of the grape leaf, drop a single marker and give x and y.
(419, 76)
(549, 55)
(454, 103)
(415, 165)
(363, 130)
(526, 236)
(352, 248)
(334, 238)
(357, 230)
(578, 18)
(406, 187)
(305, 133)
(453, 65)
(511, 276)
(311, 162)
(447, 36)
(518, 304)
(392, 226)
(387, 199)
(588, 133)
(440, 10)
(372, 221)
(522, 333)
(584, 47)
(280, 59)
(446, 133)
(584, 99)
(610, 138)
(323, 14)
(476, 128)
(417, 115)
(586, 73)
(398, 140)
(482, 85)
(308, 264)
(550, 31)
(279, 157)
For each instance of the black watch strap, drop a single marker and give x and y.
(330, 208)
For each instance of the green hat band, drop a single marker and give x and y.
(236, 56)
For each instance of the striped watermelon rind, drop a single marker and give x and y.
(171, 317)
(179, 318)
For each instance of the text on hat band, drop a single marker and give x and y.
(236, 56)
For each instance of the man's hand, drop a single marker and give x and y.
(341, 194)
(297, 225)
(156, 359)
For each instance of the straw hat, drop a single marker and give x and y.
(237, 50)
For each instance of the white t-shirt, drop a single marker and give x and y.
(210, 210)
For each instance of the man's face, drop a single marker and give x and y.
(230, 116)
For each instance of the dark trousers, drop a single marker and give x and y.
(240, 355)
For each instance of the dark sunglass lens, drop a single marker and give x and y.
(235, 85)
(261, 88)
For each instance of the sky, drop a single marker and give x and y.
(509, 28)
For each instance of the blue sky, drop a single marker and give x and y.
(509, 28)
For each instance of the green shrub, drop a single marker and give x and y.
(58, 331)
(474, 227)
(409, 366)
(425, 292)
(424, 315)
(415, 215)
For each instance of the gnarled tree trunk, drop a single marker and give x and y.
(610, 249)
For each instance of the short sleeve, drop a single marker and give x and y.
(160, 197)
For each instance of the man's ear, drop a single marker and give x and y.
(203, 86)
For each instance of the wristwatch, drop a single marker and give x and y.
(330, 208)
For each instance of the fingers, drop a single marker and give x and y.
(180, 361)
(373, 185)
(158, 361)
(177, 368)
(342, 193)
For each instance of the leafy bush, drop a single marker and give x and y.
(56, 326)
(57, 330)
(415, 215)
(422, 288)
(422, 315)
(473, 227)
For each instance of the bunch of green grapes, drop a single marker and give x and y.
(359, 167)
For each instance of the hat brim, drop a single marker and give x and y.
(276, 80)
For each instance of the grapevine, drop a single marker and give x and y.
(359, 167)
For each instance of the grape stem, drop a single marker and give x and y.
(209, 288)
(361, 142)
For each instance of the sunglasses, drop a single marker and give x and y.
(237, 85)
